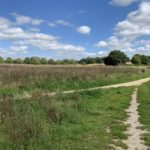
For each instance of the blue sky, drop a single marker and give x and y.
(73, 28)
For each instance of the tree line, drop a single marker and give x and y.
(114, 58)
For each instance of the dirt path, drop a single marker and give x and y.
(127, 84)
(134, 141)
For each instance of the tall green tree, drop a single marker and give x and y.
(18, 61)
(9, 60)
(43, 61)
(136, 59)
(27, 60)
(1, 60)
(116, 57)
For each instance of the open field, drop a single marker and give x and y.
(90, 120)
(60, 78)
(144, 110)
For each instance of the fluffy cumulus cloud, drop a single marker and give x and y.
(84, 30)
(21, 40)
(128, 33)
(122, 2)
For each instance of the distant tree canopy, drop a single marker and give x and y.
(90, 60)
(43, 61)
(1, 60)
(9, 60)
(116, 57)
(35, 60)
(138, 59)
(27, 60)
(18, 61)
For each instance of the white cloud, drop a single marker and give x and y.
(60, 23)
(127, 33)
(84, 30)
(101, 44)
(20, 19)
(21, 40)
(122, 2)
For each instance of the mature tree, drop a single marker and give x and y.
(9, 60)
(18, 61)
(35, 60)
(1, 60)
(145, 60)
(51, 61)
(136, 59)
(68, 61)
(27, 60)
(43, 61)
(116, 57)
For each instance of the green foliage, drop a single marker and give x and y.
(140, 59)
(116, 57)
(27, 60)
(1, 60)
(145, 60)
(51, 61)
(136, 59)
(75, 121)
(144, 110)
(43, 61)
(91, 60)
(9, 60)
(35, 60)
(18, 61)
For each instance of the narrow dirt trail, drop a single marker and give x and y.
(134, 132)
(127, 84)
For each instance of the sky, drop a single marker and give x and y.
(73, 29)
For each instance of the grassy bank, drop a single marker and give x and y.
(144, 110)
(89, 120)
(58, 78)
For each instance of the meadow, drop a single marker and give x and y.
(79, 121)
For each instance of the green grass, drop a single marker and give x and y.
(144, 110)
(60, 78)
(76, 121)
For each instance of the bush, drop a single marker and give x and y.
(116, 57)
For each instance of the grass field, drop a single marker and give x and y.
(78, 121)
(90, 120)
(58, 78)
(144, 110)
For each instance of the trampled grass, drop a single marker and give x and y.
(89, 120)
(144, 110)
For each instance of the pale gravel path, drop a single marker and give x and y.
(134, 132)
(127, 84)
